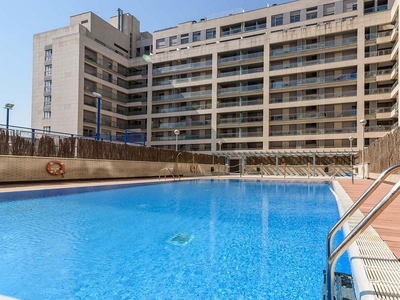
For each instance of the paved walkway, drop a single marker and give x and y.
(388, 223)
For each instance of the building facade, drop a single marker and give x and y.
(295, 76)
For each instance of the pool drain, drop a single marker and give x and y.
(180, 239)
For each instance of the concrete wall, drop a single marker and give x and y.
(25, 168)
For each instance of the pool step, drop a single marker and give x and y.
(343, 289)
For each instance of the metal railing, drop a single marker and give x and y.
(169, 170)
(333, 256)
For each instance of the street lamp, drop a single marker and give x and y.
(177, 132)
(362, 122)
(220, 145)
(8, 106)
(98, 96)
(351, 159)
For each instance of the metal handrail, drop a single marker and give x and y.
(334, 255)
(170, 171)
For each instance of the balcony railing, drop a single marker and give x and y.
(372, 74)
(183, 67)
(240, 120)
(378, 128)
(314, 80)
(374, 36)
(244, 29)
(315, 46)
(240, 89)
(181, 137)
(182, 80)
(182, 96)
(241, 58)
(313, 131)
(182, 124)
(240, 135)
(313, 97)
(377, 91)
(372, 9)
(241, 72)
(312, 115)
(313, 62)
(378, 53)
(239, 103)
(182, 108)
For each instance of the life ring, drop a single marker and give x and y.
(60, 170)
(193, 168)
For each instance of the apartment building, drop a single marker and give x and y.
(295, 76)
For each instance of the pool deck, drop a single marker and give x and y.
(387, 225)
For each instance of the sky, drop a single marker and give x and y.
(21, 19)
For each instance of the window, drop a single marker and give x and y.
(185, 38)
(295, 16)
(173, 40)
(354, 6)
(46, 129)
(312, 15)
(311, 8)
(47, 85)
(47, 101)
(47, 115)
(211, 33)
(277, 20)
(47, 70)
(196, 36)
(160, 43)
(48, 54)
(329, 9)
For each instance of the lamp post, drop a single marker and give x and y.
(8, 106)
(98, 96)
(220, 145)
(362, 122)
(351, 158)
(177, 132)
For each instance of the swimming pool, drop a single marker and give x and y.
(199, 239)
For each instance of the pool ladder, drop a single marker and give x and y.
(174, 175)
(333, 256)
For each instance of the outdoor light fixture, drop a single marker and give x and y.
(362, 122)
(98, 96)
(8, 106)
(177, 132)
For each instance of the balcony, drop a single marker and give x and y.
(182, 80)
(378, 53)
(183, 96)
(241, 72)
(314, 115)
(240, 103)
(373, 9)
(182, 124)
(241, 58)
(314, 80)
(313, 97)
(241, 89)
(243, 29)
(377, 91)
(394, 111)
(182, 108)
(378, 128)
(379, 75)
(182, 67)
(313, 62)
(374, 36)
(239, 120)
(181, 137)
(239, 135)
(313, 131)
(315, 46)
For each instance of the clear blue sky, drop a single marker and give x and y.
(21, 19)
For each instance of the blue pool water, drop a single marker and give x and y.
(244, 240)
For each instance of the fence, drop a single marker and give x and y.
(30, 142)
